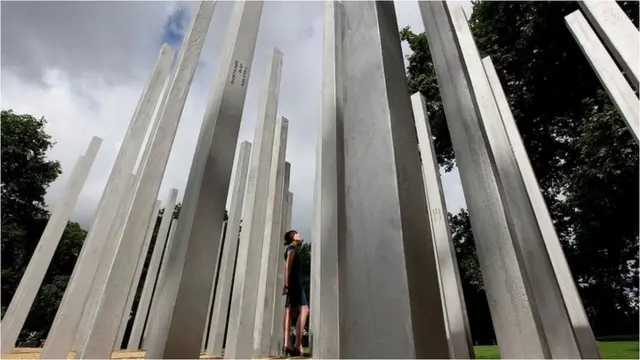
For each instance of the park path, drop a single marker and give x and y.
(34, 353)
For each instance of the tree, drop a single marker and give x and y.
(26, 172)
(471, 279)
(585, 161)
(54, 284)
(26, 175)
(602, 203)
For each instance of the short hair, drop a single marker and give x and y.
(288, 236)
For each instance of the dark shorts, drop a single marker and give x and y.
(296, 298)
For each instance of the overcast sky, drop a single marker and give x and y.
(82, 65)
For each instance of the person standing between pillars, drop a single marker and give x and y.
(294, 291)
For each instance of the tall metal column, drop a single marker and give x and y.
(278, 299)
(61, 336)
(459, 333)
(25, 294)
(218, 324)
(104, 325)
(579, 321)
(387, 258)
(178, 322)
(244, 301)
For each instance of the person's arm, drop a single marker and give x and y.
(287, 268)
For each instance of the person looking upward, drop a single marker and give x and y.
(294, 291)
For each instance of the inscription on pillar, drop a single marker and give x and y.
(239, 70)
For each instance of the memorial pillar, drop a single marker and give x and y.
(272, 238)
(527, 308)
(617, 87)
(619, 34)
(384, 201)
(331, 187)
(31, 280)
(135, 336)
(105, 326)
(245, 287)
(503, 279)
(214, 287)
(136, 278)
(459, 333)
(177, 325)
(62, 333)
(277, 322)
(160, 280)
(544, 293)
(137, 250)
(223, 294)
(580, 322)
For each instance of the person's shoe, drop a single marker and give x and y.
(302, 353)
(293, 352)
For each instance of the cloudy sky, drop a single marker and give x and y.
(83, 64)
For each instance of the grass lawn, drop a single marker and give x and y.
(608, 350)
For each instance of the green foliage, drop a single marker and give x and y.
(465, 249)
(26, 175)
(54, 284)
(422, 78)
(602, 208)
(471, 278)
(585, 159)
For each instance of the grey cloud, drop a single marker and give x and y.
(116, 43)
(111, 38)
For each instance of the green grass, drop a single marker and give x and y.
(487, 352)
(619, 349)
(608, 350)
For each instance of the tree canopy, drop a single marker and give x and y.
(585, 159)
(26, 176)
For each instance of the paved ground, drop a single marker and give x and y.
(34, 353)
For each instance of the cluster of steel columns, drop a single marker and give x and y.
(384, 272)
(186, 259)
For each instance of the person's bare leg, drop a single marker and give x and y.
(287, 328)
(302, 322)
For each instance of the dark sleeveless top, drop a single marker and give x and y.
(295, 275)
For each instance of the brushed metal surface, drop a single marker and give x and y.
(25, 294)
(220, 311)
(277, 324)
(330, 189)
(126, 314)
(389, 287)
(458, 331)
(104, 325)
(61, 336)
(505, 282)
(619, 34)
(245, 287)
(617, 87)
(272, 238)
(179, 316)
